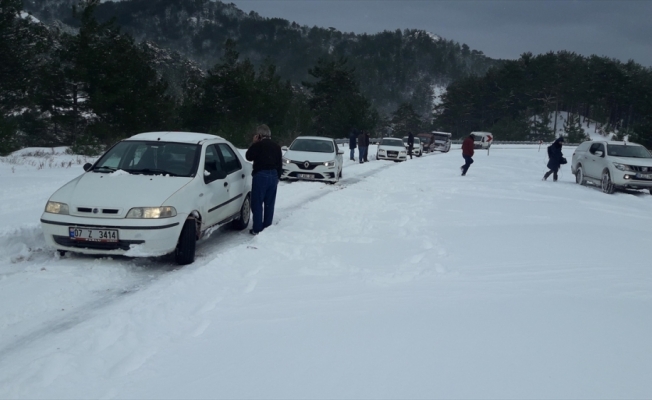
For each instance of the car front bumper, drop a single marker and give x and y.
(631, 179)
(136, 237)
(314, 173)
(399, 157)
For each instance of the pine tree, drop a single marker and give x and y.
(573, 128)
(541, 129)
(405, 120)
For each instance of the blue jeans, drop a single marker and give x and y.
(263, 197)
(352, 153)
(363, 153)
(467, 163)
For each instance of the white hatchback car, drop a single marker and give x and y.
(391, 149)
(613, 165)
(313, 158)
(149, 195)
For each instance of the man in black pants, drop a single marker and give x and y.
(556, 159)
(410, 144)
(268, 168)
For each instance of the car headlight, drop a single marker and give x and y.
(381, 150)
(57, 208)
(622, 167)
(404, 152)
(152, 212)
(329, 163)
(286, 161)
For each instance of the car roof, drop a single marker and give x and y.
(180, 137)
(615, 142)
(314, 137)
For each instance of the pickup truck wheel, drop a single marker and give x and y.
(185, 252)
(245, 214)
(579, 175)
(607, 184)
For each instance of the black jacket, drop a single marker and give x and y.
(410, 140)
(266, 155)
(555, 155)
(352, 139)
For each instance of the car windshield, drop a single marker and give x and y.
(478, 138)
(416, 141)
(391, 142)
(623, 150)
(150, 158)
(313, 145)
(442, 137)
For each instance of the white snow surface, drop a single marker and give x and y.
(404, 280)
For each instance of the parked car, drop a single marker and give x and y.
(313, 158)
(482, 140)
(151, 194)
(613, 165)
(441, 141)
(391, 149)
(417, 149)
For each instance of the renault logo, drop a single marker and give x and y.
(95, 211)
(306, 164)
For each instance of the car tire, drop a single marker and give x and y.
(650, 190)
(579, 175)
(340, 175)
(606, 184)
(245, 215)
(184, 254)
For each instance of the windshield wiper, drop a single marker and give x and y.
(151, 171)
(105, 168)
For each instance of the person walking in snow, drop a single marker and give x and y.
(410, 143)
(268, 168)
(367, 140)
(467, 153)
(362, 149)
(352, 139)
(555, 159)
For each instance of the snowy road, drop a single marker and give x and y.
(402, 281)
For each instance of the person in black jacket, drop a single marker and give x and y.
(352, 143)
(268, 168)
(556, 159)
(410, 144)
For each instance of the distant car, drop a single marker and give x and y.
(442, 141)
(391, 149)
(313, 158)
(482, 140)
(151, 194)
(613, 165)
(417, 149)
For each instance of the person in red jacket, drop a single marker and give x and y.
(467, 153)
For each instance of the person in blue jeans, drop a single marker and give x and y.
(268, 168)
(352, 145)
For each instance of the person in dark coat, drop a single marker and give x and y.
(467, 153)
(352, 142)
(555, 159)
(362, 148)
(367, 140)
(410, 144)
(268, 168)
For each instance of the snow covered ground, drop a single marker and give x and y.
(402, 281)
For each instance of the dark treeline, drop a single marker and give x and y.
(518, 100)
(90, 88)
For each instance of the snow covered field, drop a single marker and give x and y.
(402, 281)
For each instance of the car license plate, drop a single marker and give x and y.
(644, 176)
(306, 176)
(93, 234)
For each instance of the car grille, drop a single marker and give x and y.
(302, 165)
(122, 244)
(647, 170)
(95, 211)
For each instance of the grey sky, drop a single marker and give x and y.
(501, 29)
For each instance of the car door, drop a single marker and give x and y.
(595, 161)
(215, 193)
(236, 178)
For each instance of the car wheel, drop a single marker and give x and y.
(579, 175)
(650, 190)
(340, 175)
(62, 253)
(185, 252)
(245, 213)
(607, 184)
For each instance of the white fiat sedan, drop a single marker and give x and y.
(313, 158)
(391, 149)
(149, 195)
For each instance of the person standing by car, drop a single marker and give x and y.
(367, 140)
(555, 159)
(267, 169)
(362, 149)
(352, 139)
(410, 144)
(467, 153)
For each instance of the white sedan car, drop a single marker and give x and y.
(417, 149)
(391, 149)
(313, 158)
(149, 195)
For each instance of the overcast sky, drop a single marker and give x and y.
(501, 29)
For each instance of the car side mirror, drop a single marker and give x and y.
(87, 166)
(284, 148)
(598, 153)
(213, 176)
